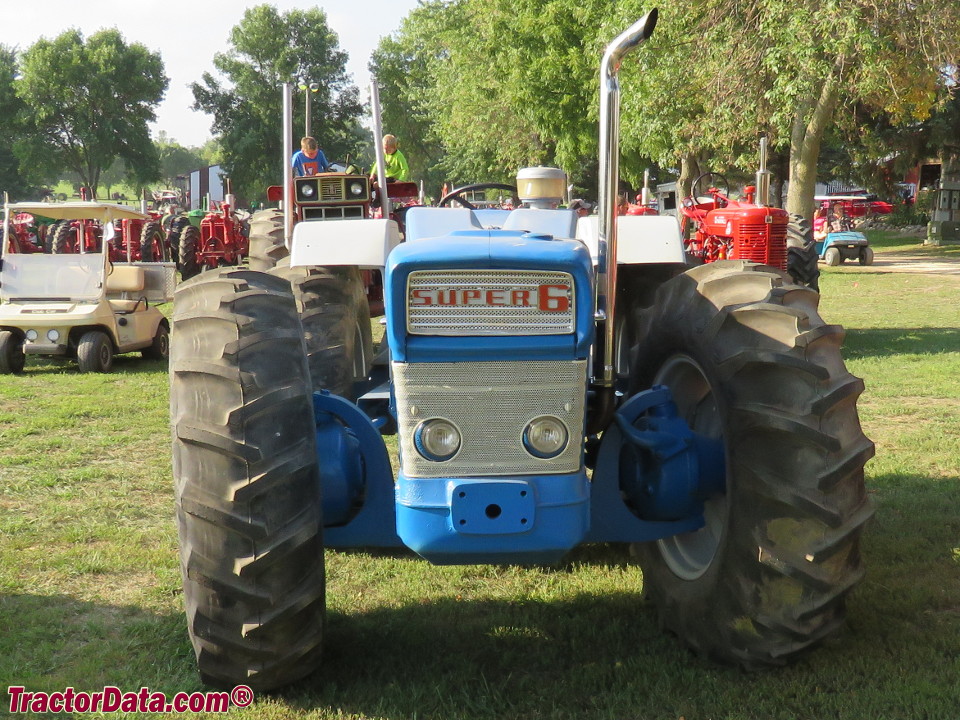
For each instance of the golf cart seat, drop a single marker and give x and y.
(123, 281)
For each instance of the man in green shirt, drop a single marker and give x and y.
(395, 163)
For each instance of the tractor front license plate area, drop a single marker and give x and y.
(492, 508)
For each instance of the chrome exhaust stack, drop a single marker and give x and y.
(763, 176)
(287, 167)
(616, 51)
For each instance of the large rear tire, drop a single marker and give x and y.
(64, 238)
(802, 252)
(335, 318)
(153, 243)
(266, 240)
(247, 481)
(749, 360)
(189, 242)
(177, 225)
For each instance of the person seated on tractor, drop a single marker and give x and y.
(309, 160)
(395, 164)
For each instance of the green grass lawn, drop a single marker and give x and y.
(90, 584)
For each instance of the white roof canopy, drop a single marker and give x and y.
(82, 210)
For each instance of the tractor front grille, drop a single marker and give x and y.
(337, 212)
(762, 243)
(490, 302)
(491, 404)
(332, 189)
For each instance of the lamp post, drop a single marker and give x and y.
(308, 88)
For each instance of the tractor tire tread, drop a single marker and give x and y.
(795, 458)
(251, 530)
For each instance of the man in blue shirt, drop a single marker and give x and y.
(310, 160)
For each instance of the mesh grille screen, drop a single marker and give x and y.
(491, 404)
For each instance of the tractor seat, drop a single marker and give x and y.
(121, 283)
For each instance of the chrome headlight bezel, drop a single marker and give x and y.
(546, 437)
(428, 439)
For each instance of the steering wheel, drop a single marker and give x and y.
(695, 186)
(456, 193)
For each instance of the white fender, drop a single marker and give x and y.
(641, 239)
(365, 243)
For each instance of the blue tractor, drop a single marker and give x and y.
(553, 381)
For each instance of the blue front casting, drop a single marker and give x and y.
(528, 518)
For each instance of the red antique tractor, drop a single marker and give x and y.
(222, 239)
(725, 229)
(140, 239)
(748, 229)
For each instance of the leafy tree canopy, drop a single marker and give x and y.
(268, 49)
(503, 84)
(13, 177)
(88, 103)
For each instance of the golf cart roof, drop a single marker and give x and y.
(82, 210)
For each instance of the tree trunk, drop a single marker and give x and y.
(809, 125)
(689, 169)
(950, 165)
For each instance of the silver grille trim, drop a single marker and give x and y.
(501, 302)
(490, 403)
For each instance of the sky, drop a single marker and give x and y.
(188, 33)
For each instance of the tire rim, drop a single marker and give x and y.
(359, 358)
(690, 555)
(104, 357)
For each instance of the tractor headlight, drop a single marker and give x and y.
(437, 440)
(307, 190)
(356, 189)
(31, 335)
(545, 437)
(53, 335)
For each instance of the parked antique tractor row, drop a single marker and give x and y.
(552, 381)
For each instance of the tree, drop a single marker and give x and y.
(517, 81)
(89, 103)
(268, 49)
(403, 65)
(13, 177)
(175, 159)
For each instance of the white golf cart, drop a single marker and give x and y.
(80, 305)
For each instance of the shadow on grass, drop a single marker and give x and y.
(883, 342)
(50, 642)
(584, 655)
